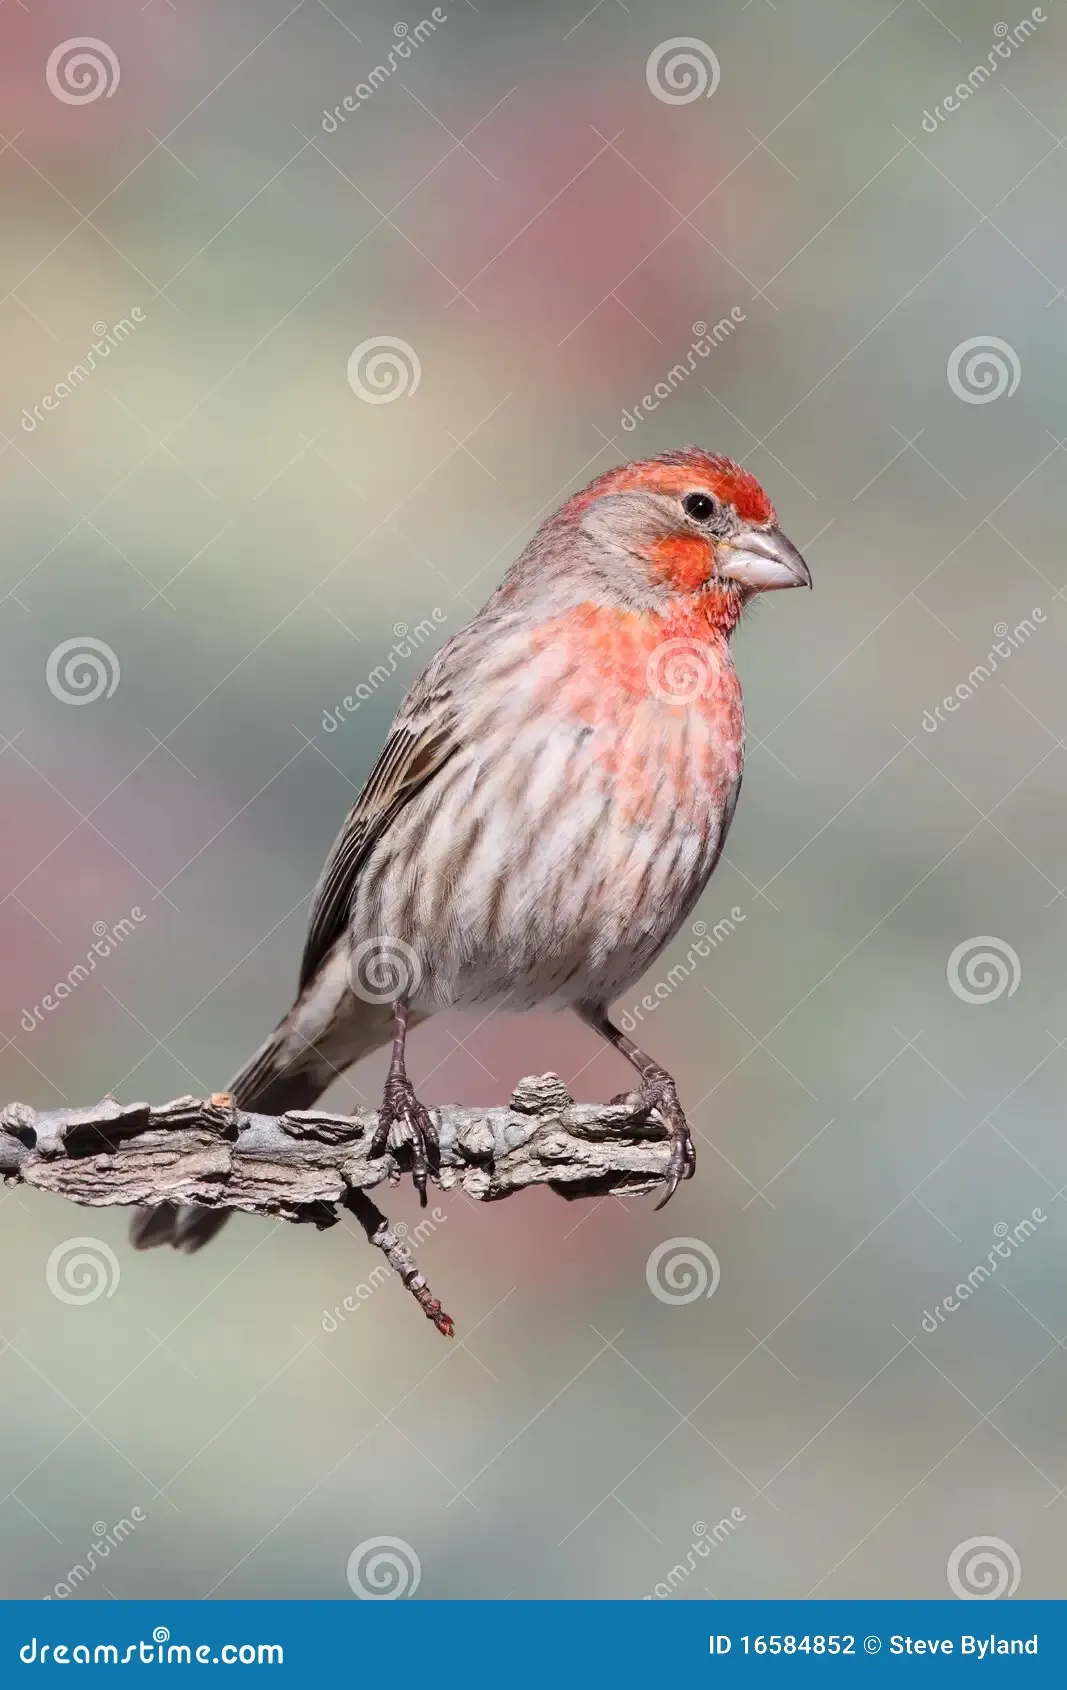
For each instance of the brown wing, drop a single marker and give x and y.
(419, 744)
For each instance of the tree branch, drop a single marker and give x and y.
(306, 1165)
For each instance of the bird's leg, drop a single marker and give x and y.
(399, 1103)
(658, 1091)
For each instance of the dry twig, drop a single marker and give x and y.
(306, 1165)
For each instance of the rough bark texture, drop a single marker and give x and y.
(302, 1166)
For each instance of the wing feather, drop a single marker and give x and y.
(420, 743)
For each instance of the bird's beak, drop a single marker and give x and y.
(763, 560)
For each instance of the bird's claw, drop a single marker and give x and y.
(658, 1092)
(399, 1104)
(682, 1163)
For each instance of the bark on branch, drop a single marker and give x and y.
(306, 1165)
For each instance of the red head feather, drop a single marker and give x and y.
(690, 470)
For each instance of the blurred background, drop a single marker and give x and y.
(226, 523)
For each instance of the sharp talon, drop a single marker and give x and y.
(658, 1093)
(418, 1175)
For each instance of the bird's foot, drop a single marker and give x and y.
(658, 1092)
(399, 1104)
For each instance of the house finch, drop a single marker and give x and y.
(552, 797)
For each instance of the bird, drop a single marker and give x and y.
(552, 797)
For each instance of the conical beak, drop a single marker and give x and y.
(763, 560)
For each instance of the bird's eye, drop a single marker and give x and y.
(700, 506)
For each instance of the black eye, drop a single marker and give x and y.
(700, 506)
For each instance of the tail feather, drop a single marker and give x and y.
(274, 1081)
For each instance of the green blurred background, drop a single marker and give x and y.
(245, 535)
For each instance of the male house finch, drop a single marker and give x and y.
(553, 795)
